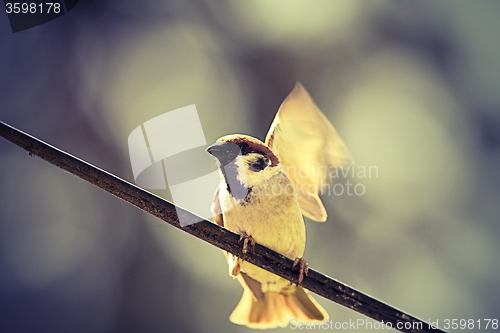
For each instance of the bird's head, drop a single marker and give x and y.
(245, 158)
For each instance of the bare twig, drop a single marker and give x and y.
(215, 235)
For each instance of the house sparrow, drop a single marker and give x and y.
(264, 191)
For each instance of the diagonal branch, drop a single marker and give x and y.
(215, 235)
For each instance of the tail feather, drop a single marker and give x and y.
(304, 306)
(277, 309)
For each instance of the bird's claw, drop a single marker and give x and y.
(303, 268)
(246, 238)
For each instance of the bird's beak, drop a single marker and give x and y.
(225, 152)
(217, 149)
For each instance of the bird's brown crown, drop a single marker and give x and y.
(254, 146)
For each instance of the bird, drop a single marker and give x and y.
(265, 190)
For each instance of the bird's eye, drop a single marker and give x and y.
(243, 147)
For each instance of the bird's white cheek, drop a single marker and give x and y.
(241, 176)
(258, 179)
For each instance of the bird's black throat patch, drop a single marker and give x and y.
(237, 189)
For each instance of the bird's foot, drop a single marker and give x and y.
(303, 268)
(246, 238)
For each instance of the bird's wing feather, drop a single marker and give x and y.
(308, 146)
(216, 209)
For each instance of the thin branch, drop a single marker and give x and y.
(215, 235)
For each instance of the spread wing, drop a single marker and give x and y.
(308, 147)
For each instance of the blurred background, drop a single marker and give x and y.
(412, 87)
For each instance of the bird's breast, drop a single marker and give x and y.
(270, 214)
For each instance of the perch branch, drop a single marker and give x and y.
(215, 235)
